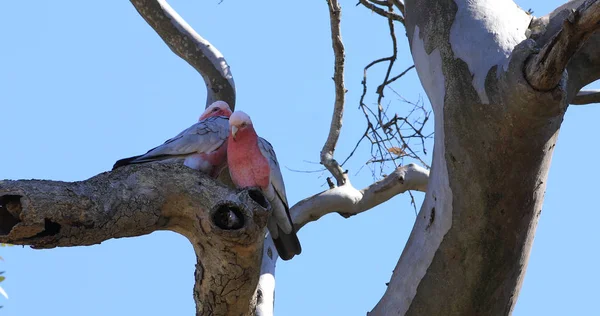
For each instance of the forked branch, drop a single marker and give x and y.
(191, 47)
(349, 201)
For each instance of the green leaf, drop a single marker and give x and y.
(2, 278)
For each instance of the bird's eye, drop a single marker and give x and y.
(215, 109)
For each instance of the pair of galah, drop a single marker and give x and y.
(221, 138)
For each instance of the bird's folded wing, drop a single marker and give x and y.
(202, 137)
(276, 177)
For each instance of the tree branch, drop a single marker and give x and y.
(387, 14)
(328, 150)
(586, 97)
(400, 5)
(225, 228)
(584, 66)
(191, 47)
(348, 201)
(545, 69)
(345, 200)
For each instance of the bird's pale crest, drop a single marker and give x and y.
(239, 118)
(217, 107)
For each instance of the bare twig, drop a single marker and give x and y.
(398, 76)
(587, 97)
(384, 133)
(546, 68)
(392, 60)
(400, 5)
(328, 150)
(388, 14)
(191, 47)
(383, 3)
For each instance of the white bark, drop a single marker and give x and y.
(435, 215)
(472, 28)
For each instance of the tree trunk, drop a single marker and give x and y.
(494, 137)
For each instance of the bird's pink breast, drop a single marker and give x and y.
(248, 167)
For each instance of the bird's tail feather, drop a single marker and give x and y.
(142, 159)
(287, 245)
(125, 161)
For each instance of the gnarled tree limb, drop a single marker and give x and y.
(226, 228)
(345, 200)
(328, 150)
(191, 47)
(545, 69)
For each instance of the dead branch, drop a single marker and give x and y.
(328, 150)
(400, 5)
(385, 133)
(191, 47)
(372, 5)
(348, 201)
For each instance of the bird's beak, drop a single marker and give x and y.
(234, 130)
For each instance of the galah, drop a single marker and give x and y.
(201, 146)
(252, 163)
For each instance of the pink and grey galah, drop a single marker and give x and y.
(202, 146)
(252, 163)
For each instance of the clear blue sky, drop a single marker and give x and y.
(85, 83)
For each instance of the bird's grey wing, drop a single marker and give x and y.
(202, 137)
(276, 177)
(280, 224)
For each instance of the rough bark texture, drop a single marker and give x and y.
(226, 228)
(545, 69)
